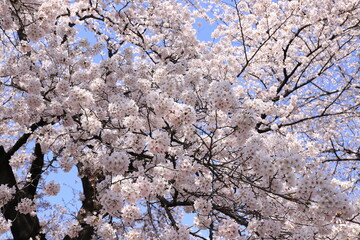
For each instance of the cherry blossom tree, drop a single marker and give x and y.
(255, 133)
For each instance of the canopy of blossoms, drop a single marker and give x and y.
(254, 134)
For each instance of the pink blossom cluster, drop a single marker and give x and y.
(6, 194)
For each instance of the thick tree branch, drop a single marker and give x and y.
(90, 203)
(24, 226)
(35, 172)
(23, 139)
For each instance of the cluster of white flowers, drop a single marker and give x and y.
(202, 222)
(34, 102)
(188, 97)
(79, 98)
(266, 227)
(228, 229)
(31, 84)
(143, 187)
(170, 233)
(6, 194)
(244, 120)
(91, 123)
(73, 229)
(34, 32)
(202, 206)
(26, 206)
(52, 188)
(120, 107)
(186, 166)
(159, 142)
(134, 234)
(134, 123)
(160, 102)
(221, 95)
(160, 186)
(128, 190)
(181, 115)
(130, 213)
(204, 182)
(6, 22)
(62, 87)
(111, 202)
(4, 225)
(133, 141)
(92, 220)
(106, 231)
(117, 162)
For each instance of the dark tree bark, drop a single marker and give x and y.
(90, 204)
(23, 226)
